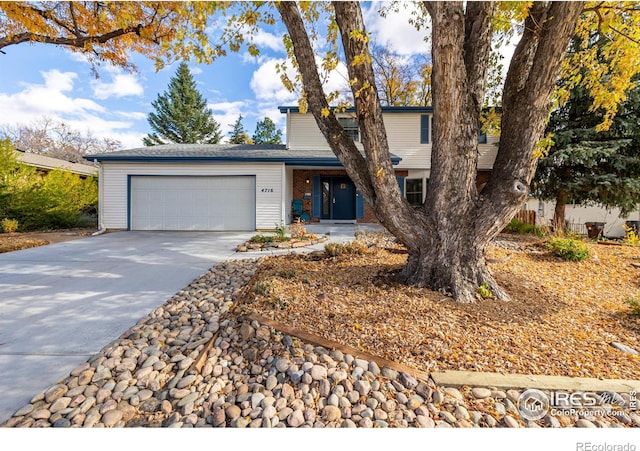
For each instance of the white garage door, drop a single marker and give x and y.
(193, 203)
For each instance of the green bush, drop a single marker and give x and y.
(260, 239)
(281, 232)
(9, 225)
(568, 249)
(484, 291)
(519, 227)
(60, 199)
(634, 304)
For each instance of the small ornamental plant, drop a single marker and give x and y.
(568, 249)
(9, 225)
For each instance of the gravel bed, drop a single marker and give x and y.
(255, 376)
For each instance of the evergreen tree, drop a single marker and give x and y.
(238, 135)
(588, 167)
(181, 114)
(266, 133)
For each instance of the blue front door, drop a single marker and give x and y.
(344, 198)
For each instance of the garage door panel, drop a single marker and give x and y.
(192, 203)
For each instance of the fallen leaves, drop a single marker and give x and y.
(560, 322)
(10, 243)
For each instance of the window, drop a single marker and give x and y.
(350, 126)
(424, 129)
(414, 191)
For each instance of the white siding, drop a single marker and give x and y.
(114, 187)
(487, 152)
(403, 134)
(303, 133)
(614, 223)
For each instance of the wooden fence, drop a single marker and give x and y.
(526, 216)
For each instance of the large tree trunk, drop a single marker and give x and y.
(447, 237)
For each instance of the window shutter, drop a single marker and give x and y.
(482, 137)
(400, 180)
(424, 129)
(316, 203)
(359, 206)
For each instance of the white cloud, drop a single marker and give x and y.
(47, 99)
(121, 85)
(394, 31)
(54, 99)
(269, 41)
(267, 85)
(226, 114)
(195, 70)
(135, 115)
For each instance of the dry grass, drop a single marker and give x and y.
(562, 319)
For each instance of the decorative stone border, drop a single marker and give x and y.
(293, 243)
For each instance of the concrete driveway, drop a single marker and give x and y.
(62, 303)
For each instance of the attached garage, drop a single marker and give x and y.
(203, 187)
(214, 203)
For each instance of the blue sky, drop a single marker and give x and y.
(38, 81)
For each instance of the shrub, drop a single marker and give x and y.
(631, 237)
(281, 232)
(568, 249)
(60, 199)
(334, 249)
(262, 239)
(355, 247)
(297, 230)
(484, 291)
(634, 304)
(519, 227)
(9, 225)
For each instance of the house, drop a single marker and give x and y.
(577, 216)
(252, 187)
(44, 164)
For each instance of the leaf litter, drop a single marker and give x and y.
(561, 321)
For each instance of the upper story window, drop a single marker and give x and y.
(350, 126)
(425, 129)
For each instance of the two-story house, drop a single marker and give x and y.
(256, 187)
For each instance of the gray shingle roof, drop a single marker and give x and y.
(223, 152)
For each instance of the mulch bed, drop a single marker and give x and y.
(17, 241)
(561, 321)
(10, 242)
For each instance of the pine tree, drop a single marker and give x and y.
(181, 114)
(266, 132)
(238, 135)
(588, 167)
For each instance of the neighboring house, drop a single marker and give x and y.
(578, 215)
(249, 187)
(44, 164)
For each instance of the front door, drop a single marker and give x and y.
(338, 198)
